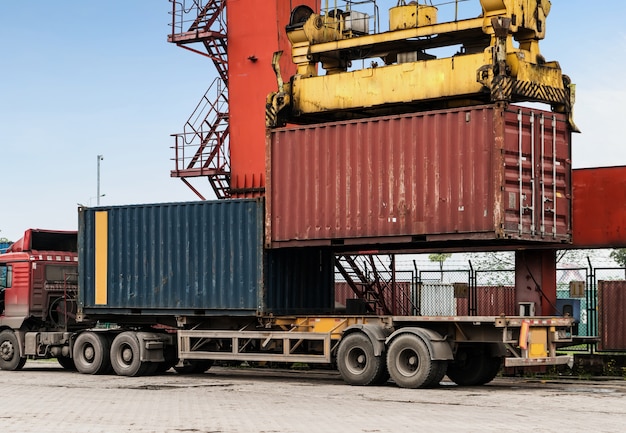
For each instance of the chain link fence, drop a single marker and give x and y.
(606, 303)
(438, 292)
(594, 297)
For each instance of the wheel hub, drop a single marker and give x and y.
(357, 360)
(7, 351)
(127, 355)
(89, 353)
(409, 362)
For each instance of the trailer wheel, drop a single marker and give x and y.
(171, 359)
(383, 373)
(151, 368)
(473, 367)
(194, 366)
(357, 363)
(491, 370)
(409, 363)
(67, 363)
(10, 352)
(91, 353)
(125, 357)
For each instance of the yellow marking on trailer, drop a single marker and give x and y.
(538, 343)
(523, 335)
(101, 262)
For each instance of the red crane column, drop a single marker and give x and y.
(256, 29)
(535, 280)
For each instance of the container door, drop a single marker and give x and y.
(538, 175)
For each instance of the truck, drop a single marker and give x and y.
(139, 289)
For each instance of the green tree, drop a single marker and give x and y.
(506, 259)
(619, 255)
(493, 261)
(441, 257)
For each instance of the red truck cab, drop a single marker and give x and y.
(38, 289)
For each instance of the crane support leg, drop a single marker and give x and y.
(535, 281)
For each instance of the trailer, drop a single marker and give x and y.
(143, 288)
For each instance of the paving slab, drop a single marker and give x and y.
(43, 397)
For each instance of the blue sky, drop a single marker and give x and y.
(82, 78)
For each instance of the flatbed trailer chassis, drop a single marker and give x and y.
(414, 351)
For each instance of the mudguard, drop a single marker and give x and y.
(377, 335)
(438, 346)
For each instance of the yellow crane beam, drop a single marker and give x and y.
(498, 60)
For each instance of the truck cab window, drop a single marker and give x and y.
(5, 276)
(56, 274)
(5, 282)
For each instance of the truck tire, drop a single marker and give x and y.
(91, 353)
(67, 363)
(10, 352)
(491, 370)
(409, 363)
(383, 375)
(171, 359)
(473, 366)
(125, 355)
(357, 363)
(194, 366)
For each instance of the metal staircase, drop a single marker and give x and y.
(373, 282)
(366, 284)
(202, 150)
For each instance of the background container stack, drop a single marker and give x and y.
(4, 246)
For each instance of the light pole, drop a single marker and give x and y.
(100, 158)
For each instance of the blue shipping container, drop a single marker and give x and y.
(4, 246)
(194, 258)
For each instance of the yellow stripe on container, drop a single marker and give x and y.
(101, 263)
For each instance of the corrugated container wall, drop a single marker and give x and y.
(611, 320)
(194, 258)
(479, 173)
(4, 246)
(400, 300)
(490, 301)
(599, 207)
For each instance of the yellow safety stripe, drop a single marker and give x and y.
(101, 263)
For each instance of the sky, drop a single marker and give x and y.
(88, 78)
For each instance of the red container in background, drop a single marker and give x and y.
(459, 176)
(611, 321)
(490, 301)
(400, 303)
(599, 207)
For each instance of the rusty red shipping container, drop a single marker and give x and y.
(400, 303)
(479, 174)
(599, 209)
(611, 321)
(490, 301)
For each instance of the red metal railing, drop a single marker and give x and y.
(202, 150)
